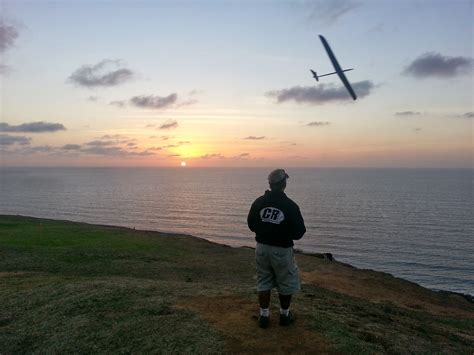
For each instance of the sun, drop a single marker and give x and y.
(183, 163)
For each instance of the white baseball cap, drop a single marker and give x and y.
(277, 176)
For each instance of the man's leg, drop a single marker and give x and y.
(264, 298)
(286, 317)
(265, 283)
(285, 301)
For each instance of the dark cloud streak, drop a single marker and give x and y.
(103, 74)
(100, 143)
(118, 103)
(317, 95)
(71, 147)
(318, 123)
(254, 138)
(6, 139)
(188, 103)
(33, 127)
(212, 156)
(169, 125)
(155, 102)
(8, 35)
(436, 65)
(407, 113)
(113, 151)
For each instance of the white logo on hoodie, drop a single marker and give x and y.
(272, 215)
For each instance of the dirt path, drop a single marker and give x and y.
(236, 319)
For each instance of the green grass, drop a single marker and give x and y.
(71, 287)
(59, 315)
(360, 327)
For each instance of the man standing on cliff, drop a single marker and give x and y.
(276, 221)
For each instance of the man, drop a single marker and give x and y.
(276, 221)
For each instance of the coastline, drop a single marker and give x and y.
(411, 238)
(467, 296)
(96, 288)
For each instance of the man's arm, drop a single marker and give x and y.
(252, 218)
(298, 224)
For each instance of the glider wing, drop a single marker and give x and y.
(337, 67)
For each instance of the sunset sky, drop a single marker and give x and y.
(227, 83)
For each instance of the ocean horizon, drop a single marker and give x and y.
(413, 223)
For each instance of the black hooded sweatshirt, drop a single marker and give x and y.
(276, 220)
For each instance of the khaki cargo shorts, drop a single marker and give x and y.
(276, 267)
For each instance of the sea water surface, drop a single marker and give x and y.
(413, 223)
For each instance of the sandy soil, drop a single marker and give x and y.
(236, 319)
(381, 287)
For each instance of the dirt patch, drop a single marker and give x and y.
(376, 288)
(236, 319)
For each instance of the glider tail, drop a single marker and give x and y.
(314, 75)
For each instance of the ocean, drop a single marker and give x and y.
(413, 223)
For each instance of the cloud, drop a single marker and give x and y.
(100, 143)
(317, 95)
(33, 127)
(168, 125)
(71, 147)
(91, 148)
(468, 115)
(6, 139)
(328, 12)
(417, 129)
(188, 102)
(101, 150)
(38, 149)
(318, 123)
(223, 157)
(173, 155)
(254, 138)
(8, 35)
(92, 99)
(407, 113)
(114, 136)
(212, 156)
(118, 103)
(171, 145)
(106, 73)
(433, 64)
(142, 154)
(113, 151)
(156, 102)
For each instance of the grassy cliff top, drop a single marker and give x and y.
(74, 287)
